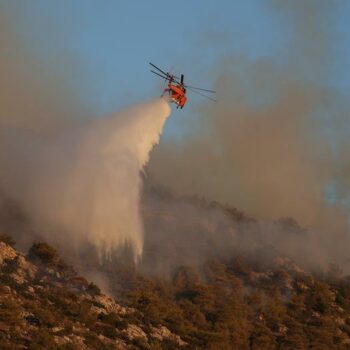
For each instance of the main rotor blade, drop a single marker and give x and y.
(197, 88)
(175, 78)
(164, 77)
(168, 77)
(198, 93)
(158, 68)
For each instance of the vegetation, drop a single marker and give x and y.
(44, 252)
(223, 304)
(226, 306)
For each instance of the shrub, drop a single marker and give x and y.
(44, 253)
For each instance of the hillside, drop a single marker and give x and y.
(239, 304)
(210, 278)
(222, 305)
(45, 304)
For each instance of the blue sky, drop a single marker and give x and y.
(113, 41)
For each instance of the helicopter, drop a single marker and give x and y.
(177, 88)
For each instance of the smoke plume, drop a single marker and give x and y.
(187, 231)
(271, 145)
(276, 143)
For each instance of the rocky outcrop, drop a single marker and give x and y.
(108, 305)
(135, 332)
(161, 333)
(6, 253)
(19, 268)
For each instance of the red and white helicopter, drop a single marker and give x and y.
(177, 88)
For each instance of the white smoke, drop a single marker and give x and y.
(84, 183)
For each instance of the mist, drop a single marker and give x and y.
(190, 230)
(275, 144)
(35, 93)
(271, 146)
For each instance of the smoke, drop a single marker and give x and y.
(189, 231)
(183, 232)
(271, 145)
(38, 94)
(276, 143)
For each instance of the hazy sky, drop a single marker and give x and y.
(97, 53)
(112, 42)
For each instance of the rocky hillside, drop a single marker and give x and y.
(210, 278)
(45, 304)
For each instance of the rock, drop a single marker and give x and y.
(315, 314)
(116, 344)
(109, 305)
(57, 329)
(301, 286)
(39, 287)
(25, 266)
(78, 340)
(5, 290)
(282, 330)
(133, 332)
(162, 333)
(59, 340)
(6, 253)
(22, 270)
(120, 345)
(18, 278)
(98, 310)
(260, 317)
(339, 321)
